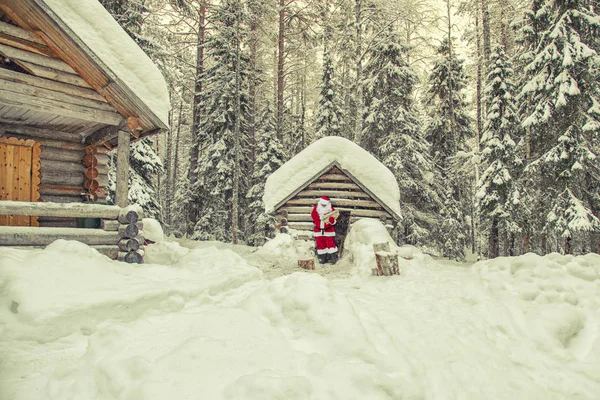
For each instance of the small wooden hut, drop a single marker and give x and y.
(335, 167)
(73, 87)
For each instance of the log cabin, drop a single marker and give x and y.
(74, 87)
(352, 178)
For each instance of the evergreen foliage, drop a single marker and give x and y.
(447, 131)
(328, 121)
(270, 156)
(500, 154)
(216, 167)
(392, 133)
(563, 88)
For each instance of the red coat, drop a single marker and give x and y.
(325, 226)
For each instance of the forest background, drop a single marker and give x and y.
(486, 111)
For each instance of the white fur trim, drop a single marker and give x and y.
(331, 250)
(329, 234)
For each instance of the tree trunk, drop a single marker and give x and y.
(358, 126)
(236, 138)
(487, 51)
(280, 70)
(192, 214)
(494, 243)
(252, 86)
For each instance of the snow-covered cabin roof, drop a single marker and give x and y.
(306, 165)
(87, 37)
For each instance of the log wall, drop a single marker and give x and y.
(345, 195)
(120, 235)
(67, 170)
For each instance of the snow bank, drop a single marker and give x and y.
(112, 45)
(69, 287)
(363, 234)
(295, 338)
(561, 296)
(284, 250)
(351, 157)
(153, 230)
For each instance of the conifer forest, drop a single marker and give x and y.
(486, 111)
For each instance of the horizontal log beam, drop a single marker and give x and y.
(66, 166)
(54, 75)
(61, 199)
(52, 106)
(332, 193)
(23, 39)
(45, 61)
(57, 178)
(335, 177)
(358, 212)
(337, 202)
(58, 224)
(333, 185)
(109, 251)
(50, 84)
(76, 210)
(102, 135)
(58, 190)
(301, 226)
(40, 132)
(25, 235)
(45, 143)
(110, 225)
(54, 95)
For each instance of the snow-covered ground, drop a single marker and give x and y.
(216, 321)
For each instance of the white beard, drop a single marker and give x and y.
(323, 210)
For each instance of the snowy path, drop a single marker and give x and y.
(209, 325)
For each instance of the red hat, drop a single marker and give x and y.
(325, 198)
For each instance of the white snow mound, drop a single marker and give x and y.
(98, 30)
(153, 230)
(351, 157)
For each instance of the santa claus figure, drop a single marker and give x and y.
(324, 217)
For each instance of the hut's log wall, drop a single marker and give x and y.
(119, 237)
(345, 196)
(62, 169)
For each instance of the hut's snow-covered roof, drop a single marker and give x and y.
(352, 158)
(105, 38)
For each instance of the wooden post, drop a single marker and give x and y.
(122, 190)
(307, 264)
(387, 261)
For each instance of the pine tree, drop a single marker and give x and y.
(447, 132)
(563, 88)
(216, 169)
(144, 166)
(328, 121)
(393, 134)
(270, 156)
(499, 156)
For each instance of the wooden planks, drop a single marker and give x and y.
(79, 210)
(333, 185)
(18, 235)
(338, 203)
(57, 107)
(354, 212)
(22, 39)
(37, 59)
(31, 80)
(316, 194)
(19, 177)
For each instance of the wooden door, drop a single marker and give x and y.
(19, 176)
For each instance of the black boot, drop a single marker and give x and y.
(322, 258)
(333, 257)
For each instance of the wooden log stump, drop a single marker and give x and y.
(387, 261)
(307, 264)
